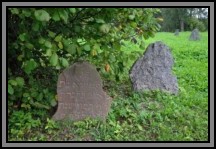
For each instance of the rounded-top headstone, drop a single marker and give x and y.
(154, 70)
(80, 93)
(195, 35)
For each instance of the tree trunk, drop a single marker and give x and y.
(182, 25)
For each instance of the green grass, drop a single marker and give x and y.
(147, 116)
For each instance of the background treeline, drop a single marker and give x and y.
(184, 19)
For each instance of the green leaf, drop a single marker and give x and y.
(93, 52)
(72, 10)
(29, 66)
(39, 105)
(53, 103)
(60, 45)
(104, 28)
(12, 82)
(158, 26)
(100, 21)
(36, 26)
(80, 40)
(14, 11)
(51, 34)
(58, 38)
(139, 127)
(41, 40)
(133, 24)
(29, 46)
(26, 12)
(23, 37)
(131, 17)
(64, 62)
(56, 16)
(87, 47)
(20, 81)
(71, 49)
(26, 95)
(45, 91)
(64, 16)
(96, 47)
(10, 89)
(42, 15)
(58, 66)
(20, 57)
(48, 44)
(48, 52)
(66, 43)
(27, 106)
(54, 59)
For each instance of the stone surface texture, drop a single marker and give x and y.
(153, 70)
(80, 93)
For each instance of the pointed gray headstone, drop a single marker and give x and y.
(154, 70)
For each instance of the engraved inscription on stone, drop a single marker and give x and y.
(80, 94)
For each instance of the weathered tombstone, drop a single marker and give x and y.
(176, 32)
(80, 94)
(195, 35)
(154, 70)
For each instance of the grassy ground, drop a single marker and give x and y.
(148, 116)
